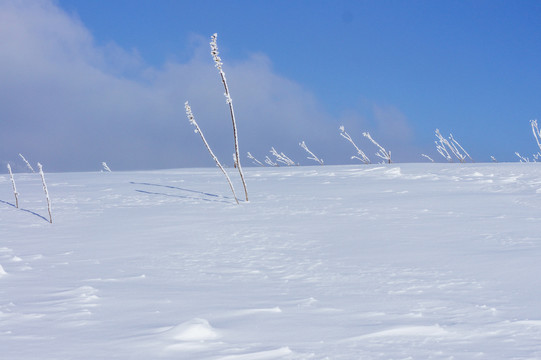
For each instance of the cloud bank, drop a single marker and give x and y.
(71, 103)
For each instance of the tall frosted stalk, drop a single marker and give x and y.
(14, 187)
(218, 63)
(40, 167)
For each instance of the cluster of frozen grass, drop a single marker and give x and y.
(422, 261)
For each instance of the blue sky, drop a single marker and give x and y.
(90, 81)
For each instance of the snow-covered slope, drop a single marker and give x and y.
(420, 261)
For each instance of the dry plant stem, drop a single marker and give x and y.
(190, 116)
(27, 163)
(257, 162)
(428, 157)
(281, 157)
(382, 153)
(46, 192)
(14, 187)
(218, 61)
(362, 155)
(314, 157)
(269, 161)
(460, 146)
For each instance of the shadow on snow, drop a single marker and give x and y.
(25, 210)
(205, 197)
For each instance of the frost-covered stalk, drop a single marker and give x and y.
(536, 132)
(362, 156)
(190, 116)
(522, 158)
(254, 160)
(218, 63)
(441, 146)
(46, 192)
(105, 167)
(455, 144)
(382, 153)
(281, 157)
(314, 157)
(27, 163)
(428, 157)
(14, 187)
(270, 162)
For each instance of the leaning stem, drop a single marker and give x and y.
(190, 116)
(46, 192)
(232, 114)
(14, 187)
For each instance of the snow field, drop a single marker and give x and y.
(420, 261)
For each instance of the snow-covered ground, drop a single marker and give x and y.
(405, 261)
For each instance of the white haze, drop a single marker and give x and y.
(72, 103)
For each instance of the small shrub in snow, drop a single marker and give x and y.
(522, 158)
(269, 162)
(254, 160)
(14, 187)
(105, 167)
(313, 156)
(218, 63)
(281, 157)
(40, 167)
(456, 151)
(382, 153)
(362, 156)
(190, 116)
(442, 144)
(428, 157)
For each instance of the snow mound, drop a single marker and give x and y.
(194, 330)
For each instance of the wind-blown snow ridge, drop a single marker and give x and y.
(327, 262)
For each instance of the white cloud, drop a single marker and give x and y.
(71, 103)
(66, 101)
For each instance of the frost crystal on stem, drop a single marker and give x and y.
(281, 157)
(254, 160)
(428, 157)
(442, 144)
(218, 63)
(458, 154)
(362, 156)
(40, 167)
(269, 162)
(27, 163)
(191, 118)
(382, 153)
(14, 187)
(522, 158)
(313, 156)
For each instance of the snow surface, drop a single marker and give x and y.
(408, 261)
